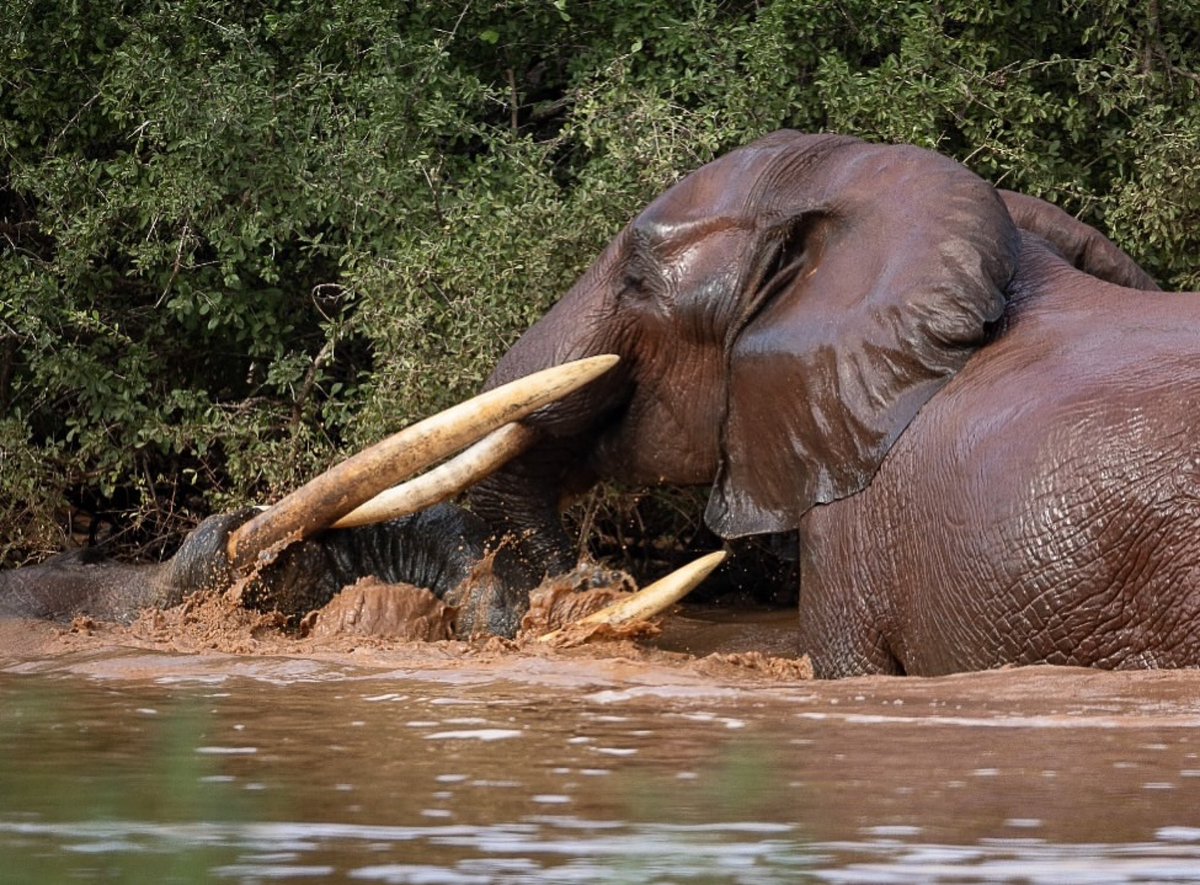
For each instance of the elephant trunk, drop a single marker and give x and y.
(83, 582)
(523, 498)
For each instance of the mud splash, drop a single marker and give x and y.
(560, 601)
(374, 622)
(210, 625)
(371, 607)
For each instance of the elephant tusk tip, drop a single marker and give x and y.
(577, 373)
(651, 600)
(603, 361)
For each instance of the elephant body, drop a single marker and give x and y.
(82, 582)
(978, 420)
(1044, 507)
(443, 549)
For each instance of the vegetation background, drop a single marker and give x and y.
(244, 237)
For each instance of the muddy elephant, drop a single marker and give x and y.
(351, 523)
(981, 427)
(346, 524)
(440, 549)
(963, 405)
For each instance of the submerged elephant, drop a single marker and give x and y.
(296, 555)
(962, 402)
(411, 550)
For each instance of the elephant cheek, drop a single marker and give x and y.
(660, 447)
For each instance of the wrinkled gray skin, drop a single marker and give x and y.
(982, 431)
(1057, 511)
(441, 548)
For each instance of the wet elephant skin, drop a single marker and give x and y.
(969, 405)
(443, 548)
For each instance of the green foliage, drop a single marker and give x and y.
(244, 238)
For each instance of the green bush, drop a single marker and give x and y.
(244, 238)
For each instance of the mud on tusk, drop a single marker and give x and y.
(652, 600)
(344, 487)
(445, 481)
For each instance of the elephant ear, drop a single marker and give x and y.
(1081, 244)
(883, 267)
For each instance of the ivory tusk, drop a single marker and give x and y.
(445, 481)
(339, 490)
(652, 600)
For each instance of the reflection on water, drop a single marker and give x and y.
(305, 772)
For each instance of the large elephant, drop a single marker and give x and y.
(990, 455)
(961, 402)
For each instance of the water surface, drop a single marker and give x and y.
(131, 765)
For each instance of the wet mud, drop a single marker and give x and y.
(371, 607)
(560, 602)
(375, 625)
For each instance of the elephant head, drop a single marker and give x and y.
(781, 315)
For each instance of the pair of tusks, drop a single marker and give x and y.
(371, 486)
(345, 495)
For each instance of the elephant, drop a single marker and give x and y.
(296, 555)
(973, 412)
(968, 413)
(440, 548)
(82, 581)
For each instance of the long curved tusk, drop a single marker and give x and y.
(446, 480)
(330, 496)
(652, 600)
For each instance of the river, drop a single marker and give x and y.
(130, 760)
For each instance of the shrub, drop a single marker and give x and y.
(246, 238)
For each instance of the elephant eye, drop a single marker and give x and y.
(783, 266)
(792, 253)
(638, 277)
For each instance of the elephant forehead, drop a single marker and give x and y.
(666, 232)
(717, 194)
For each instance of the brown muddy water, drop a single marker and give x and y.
(134, 759)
